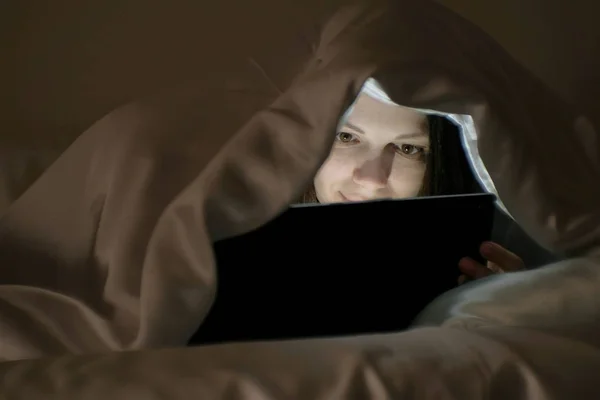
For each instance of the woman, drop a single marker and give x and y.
(383, 150)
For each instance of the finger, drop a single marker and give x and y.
(462, 279)
(472, 269)
(496, 269)
(506, 260)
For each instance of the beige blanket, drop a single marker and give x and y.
(111, 248)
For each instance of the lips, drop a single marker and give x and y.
(353, 198)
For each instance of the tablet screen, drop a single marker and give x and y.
(343, 269)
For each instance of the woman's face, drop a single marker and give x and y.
(380, 152)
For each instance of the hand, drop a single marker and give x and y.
(499, 260)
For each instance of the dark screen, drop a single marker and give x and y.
(325, 270)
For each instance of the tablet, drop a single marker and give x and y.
(342, 269)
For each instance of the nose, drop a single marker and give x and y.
(374, 172)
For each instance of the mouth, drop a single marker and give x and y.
(352, 199)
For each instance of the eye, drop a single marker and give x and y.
(410, 150)
(347, 138)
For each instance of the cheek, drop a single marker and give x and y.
(407, 178)
(334, 171)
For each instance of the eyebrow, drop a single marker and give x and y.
(354, 127)
(410, 135)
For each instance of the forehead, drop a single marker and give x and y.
(370, 114)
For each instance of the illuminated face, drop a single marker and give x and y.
(379, 152)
